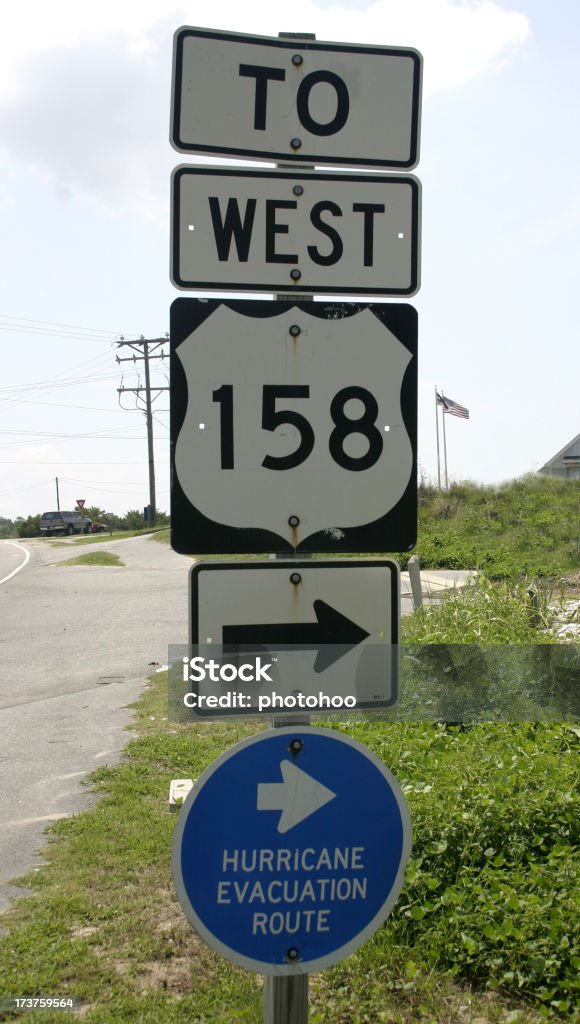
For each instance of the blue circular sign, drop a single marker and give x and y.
(289, 851)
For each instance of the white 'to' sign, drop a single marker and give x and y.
(295, 100)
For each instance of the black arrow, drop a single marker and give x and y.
(332, 635)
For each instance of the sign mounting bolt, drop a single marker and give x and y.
(298, 190)
(295, 577)
(296, 143)
(293, 520)
(297, 59)
(295, 330)
(295, 274)
(292, 953)
(296, 746)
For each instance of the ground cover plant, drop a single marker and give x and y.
(100, 538)
(94, 558)
(528, 527)
(486, 922)
(486, 928)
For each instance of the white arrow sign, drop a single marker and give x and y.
(298, 796)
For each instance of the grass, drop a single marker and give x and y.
(491, 890)
(487, 919)
(162, 536)
(483, 613)
(486, 928)
(94, 558)
(100, 538)
(529, 527)
(525, 528)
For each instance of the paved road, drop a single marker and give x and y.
(76, 646)
(13, 558)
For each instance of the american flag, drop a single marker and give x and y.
(453, 408)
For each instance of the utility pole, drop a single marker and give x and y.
(146, 347)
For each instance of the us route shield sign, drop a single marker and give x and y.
(290, 850)
(293, 427)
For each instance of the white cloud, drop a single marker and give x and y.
(85, 87)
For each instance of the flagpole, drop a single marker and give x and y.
(437, 432)
(445, 448)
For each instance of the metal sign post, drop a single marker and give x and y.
(286, 999)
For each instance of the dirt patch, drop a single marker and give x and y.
(178, 976)
(183, 963)
(570, 584)
(84, 933)
(178, 973)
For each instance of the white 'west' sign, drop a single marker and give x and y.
(295, 100)
(276, 231)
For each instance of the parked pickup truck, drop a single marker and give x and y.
(64, 522)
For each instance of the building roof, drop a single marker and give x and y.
(564, 454)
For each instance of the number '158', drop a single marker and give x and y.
(273, 417)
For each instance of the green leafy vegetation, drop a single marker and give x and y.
(487, 920)
(491, 893)
(162, 536)
(29, 527)
(133, 522)
(7, 528)
(483, 613)
(103, 538)
(529, 527)
(487, 926)
(94, 558)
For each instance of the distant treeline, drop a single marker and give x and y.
(132, 520)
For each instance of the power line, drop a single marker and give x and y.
(60, 462)
(61, 405)
(27, 487)
(56, 433)
(70, 437)
(76, 327)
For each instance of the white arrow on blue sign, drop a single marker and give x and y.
(290, 850)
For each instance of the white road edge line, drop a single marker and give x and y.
(26, 553)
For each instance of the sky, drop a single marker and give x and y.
(85, 163)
